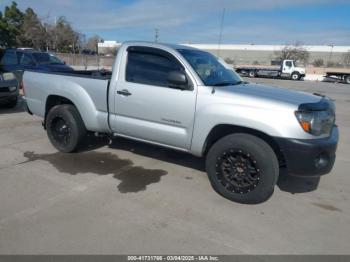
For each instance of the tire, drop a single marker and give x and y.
(347, 79)
(237, 152)
(295, 76)
(12, 103)
(65, 128)
(251, 74)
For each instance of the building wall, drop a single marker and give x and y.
(263, 54)
(265, 57)
(254, 54)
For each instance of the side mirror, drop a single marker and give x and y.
(177, 79)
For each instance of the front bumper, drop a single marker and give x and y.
(8, 96)
(313, 157)
(5, 93)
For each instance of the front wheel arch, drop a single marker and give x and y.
(222, 130)
(295, 73)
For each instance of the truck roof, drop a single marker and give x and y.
(153, 44)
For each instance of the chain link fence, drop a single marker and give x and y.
(85, 62)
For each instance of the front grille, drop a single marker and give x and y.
(4, 89)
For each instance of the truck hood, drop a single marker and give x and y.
(270, 95)
(301, 70)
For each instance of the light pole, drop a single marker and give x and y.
(220, 34)
(331, 53)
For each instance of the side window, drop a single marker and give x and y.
(289, 63)
(9, 58)
(149, 68)
(26, 60)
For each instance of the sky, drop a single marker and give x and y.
(312, 22)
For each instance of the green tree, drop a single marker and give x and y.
(3, 31)
(26, 29)
(11, 25)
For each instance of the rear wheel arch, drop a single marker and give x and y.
(222, 130)
(54, 100)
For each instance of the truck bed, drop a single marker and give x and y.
(87, 90)
(95, 74)
(248, 68)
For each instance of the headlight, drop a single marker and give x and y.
(12, 88)
(316, 122)
(8, 76)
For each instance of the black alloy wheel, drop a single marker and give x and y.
(238, 171)
(61, 130)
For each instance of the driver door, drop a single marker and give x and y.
(287, 67)
(146, 107)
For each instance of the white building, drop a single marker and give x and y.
(251, 53)
(108, 47)
(264, 54)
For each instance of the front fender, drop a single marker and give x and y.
(274, 123)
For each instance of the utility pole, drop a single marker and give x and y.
(331, 53)
(55, 31)
(329, 58)
(221, 29)
(156, 35)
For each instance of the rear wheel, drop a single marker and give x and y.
(295, 76)
(242, 168)
(65, 128)
(251, 73)
(347, 79)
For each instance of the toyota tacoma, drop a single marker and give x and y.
(186, 99)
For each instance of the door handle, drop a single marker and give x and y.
(124, 92)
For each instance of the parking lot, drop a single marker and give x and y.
(126, 197)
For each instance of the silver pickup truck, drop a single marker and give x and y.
(187, 99)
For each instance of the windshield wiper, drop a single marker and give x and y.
(229, 83)
(223, 84)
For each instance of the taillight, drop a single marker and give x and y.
(21, 86)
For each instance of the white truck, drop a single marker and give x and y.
(186, 99)
(338, 76)
(288, 69)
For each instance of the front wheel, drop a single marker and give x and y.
(295, 76)
(242, 168)
(65, 128)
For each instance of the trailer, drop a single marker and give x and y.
(339, 76)
(287, 69)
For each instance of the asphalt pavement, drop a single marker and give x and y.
(125, 197)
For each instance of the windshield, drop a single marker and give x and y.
(45, 58)
(211, 71)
